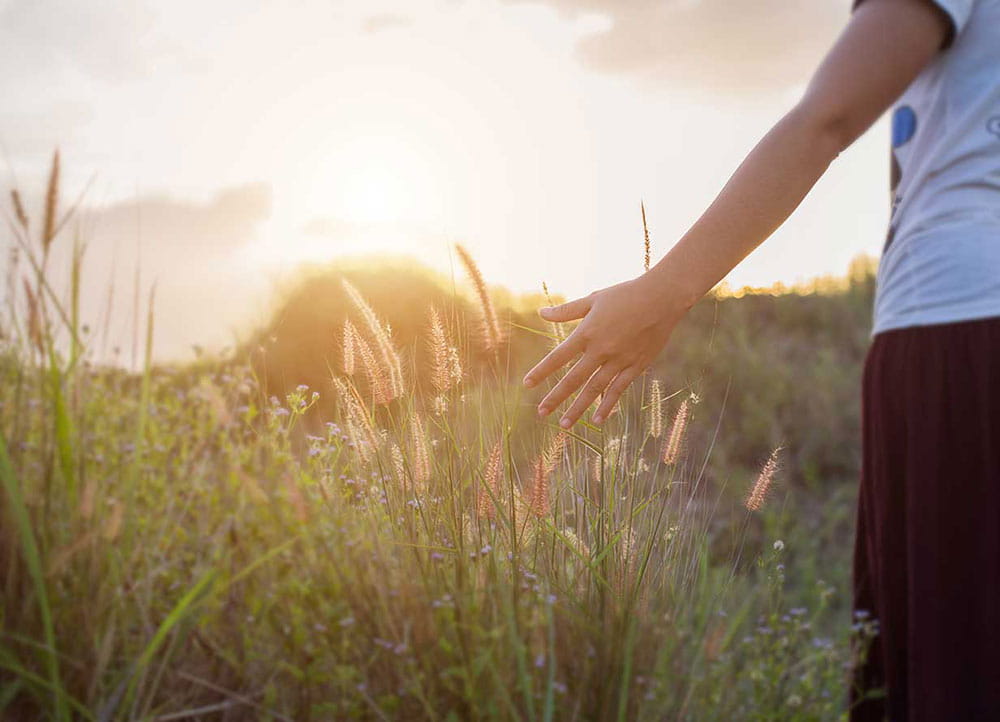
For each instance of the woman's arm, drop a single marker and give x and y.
(883, 48)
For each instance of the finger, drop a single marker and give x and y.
(569, 383)
(556, 359)
(614, 391)
(567, 311)
(598, 382)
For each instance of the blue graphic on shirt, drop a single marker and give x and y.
(904, 125)
(993, 126)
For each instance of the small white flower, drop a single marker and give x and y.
(779, 545)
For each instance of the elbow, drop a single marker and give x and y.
(830, 127)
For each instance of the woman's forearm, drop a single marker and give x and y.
(886, 45)
(762, 193)
(625, 326)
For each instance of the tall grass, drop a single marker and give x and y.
(184, 545)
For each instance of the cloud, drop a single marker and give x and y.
(100, 38)
(729, 45)
(192, 251)
(384, 21)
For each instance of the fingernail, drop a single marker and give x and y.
(542, 410)
(528, 382)
(598, 418)
(564, 422)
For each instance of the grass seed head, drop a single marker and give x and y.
(758, 493)
(655, 410)
(674, 443)
(492, 334)
(49, 226)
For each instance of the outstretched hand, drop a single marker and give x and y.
(624, 327)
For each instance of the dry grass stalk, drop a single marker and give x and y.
(655, 410)
(446, 370)
(35, 333)
(347, 348)
(645, 234)
(492, 335)
(390, 361)
(758, 494)
(49, 226)
(489, 491)
(672, 448)
(113, 523)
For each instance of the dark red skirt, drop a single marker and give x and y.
(927, 551)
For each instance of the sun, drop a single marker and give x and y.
(374, 180)
(378, 192)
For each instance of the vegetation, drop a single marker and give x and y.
(355, 519)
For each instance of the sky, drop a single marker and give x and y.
(223, 144)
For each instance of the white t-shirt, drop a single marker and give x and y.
(941, 259)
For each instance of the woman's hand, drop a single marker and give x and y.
(624, 327)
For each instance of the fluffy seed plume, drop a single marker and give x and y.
(421, 464)
(378, 376)
(398, 464)
(489, 491)
(492, 335)
(574, 542)
(538, 497)
(557, 328)
(347, 348)
(758, 494)
(645, 234)
(51, 205)
(22, 217)
(388, 356)
(446, 368)
(674, 443)
(359, 425)
(655, 410)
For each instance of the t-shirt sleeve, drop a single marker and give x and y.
(958, 11)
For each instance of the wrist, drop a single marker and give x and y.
(670, 289)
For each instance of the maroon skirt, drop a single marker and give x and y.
(927, 550)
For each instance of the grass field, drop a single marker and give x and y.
(405, 540)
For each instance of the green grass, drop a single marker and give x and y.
(185, 544)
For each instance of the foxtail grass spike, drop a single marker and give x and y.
(492, 335)
(758, 493)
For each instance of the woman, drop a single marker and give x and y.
(927, 551)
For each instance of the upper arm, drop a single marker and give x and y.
(883, 48)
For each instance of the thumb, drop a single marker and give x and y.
(567, 311)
